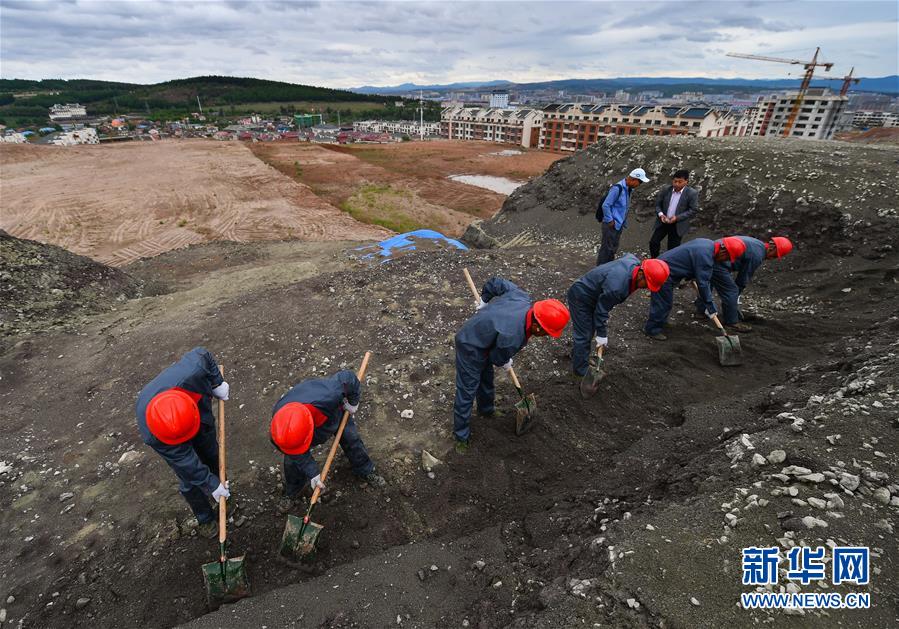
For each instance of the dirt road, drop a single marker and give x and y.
(120, 203)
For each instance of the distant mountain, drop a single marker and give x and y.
(886, 84)
(409, 87)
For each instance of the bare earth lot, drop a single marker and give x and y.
(120, 203)
(404, 186)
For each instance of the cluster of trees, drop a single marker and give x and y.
(167, 100)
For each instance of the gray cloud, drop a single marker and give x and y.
(344, 44)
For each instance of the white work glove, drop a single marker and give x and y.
(481, 304)
(349, 407)
(508, 365)
(316, 481)
(221, 391)
(739, 297)
(602, 341)
(221, 491)
(709, 313)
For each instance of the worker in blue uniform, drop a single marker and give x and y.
(309, 415)
(694, 260)
(593, 295)
(174, 418)
(730, 287)
(501, 327)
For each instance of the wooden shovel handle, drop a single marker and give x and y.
(346, 417)
(474, 289)
(514, 379)
(600, 349)
(223, 516)
(714, 318)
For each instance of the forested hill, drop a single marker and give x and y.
(24, 100)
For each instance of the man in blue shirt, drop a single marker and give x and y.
(612, 213)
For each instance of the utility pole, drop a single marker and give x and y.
(199, 105)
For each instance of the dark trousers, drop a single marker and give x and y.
(610, 239)
(351, 444)
(659, 234)
(205, 444)
(474, 380)
(724, 284)
(581, 331)
(660, 304)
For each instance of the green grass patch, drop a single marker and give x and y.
(382, 204)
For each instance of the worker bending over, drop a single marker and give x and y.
(694, 260)
(174, 417)
(730, 288)
(310, 414)
(501, 327)
(592, 297)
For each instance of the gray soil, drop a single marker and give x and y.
(613, 512)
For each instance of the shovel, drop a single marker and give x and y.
(225, 579)
(595, 374)
(729, 351)
(526, 408)
(301, 535)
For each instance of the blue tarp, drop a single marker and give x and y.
(404, 243)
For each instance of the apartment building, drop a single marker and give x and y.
(401, 127)
(68, 111)
(88, 135)
(506, 126)
(866, 119)
(499, 99)
(818, 117)
(571, 127)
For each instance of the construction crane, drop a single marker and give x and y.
(806, 80)
(847, 80)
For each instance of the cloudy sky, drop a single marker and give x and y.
(346, 44)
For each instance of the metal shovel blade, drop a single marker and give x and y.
(298, 541)
(225, 583)
(525, 414)
(590, 382)
(729, 351)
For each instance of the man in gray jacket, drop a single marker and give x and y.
(675, 206)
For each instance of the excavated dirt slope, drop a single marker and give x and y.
(43, 287)
(833, 196)
(628, 510)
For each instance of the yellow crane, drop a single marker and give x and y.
(847, 80)
(806, 80)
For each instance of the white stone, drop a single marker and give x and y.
(776, 457)
(882, 495)
(429, 461)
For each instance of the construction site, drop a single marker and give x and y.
(629, 509)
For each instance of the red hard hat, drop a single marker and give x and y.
(656, 272)
(783, 245)
(552, 315)
(173, 417)
(292, 428)
(734, 246)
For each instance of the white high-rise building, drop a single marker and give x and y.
(818, 116)
(499, 99)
